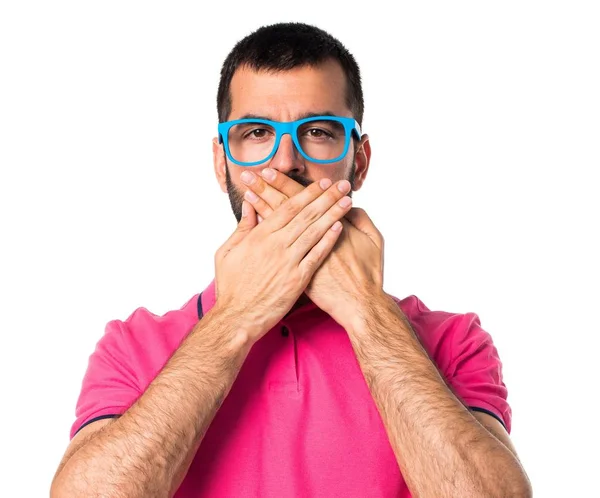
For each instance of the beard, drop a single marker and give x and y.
(236, 197)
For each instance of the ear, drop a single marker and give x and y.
(362, 156)
(219, 163)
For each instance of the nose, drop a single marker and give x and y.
(287, 159)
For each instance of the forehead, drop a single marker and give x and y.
(285, 95)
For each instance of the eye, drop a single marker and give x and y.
(317, 133)
(257, 133)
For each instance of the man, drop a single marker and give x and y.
(293, 373)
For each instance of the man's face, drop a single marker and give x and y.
(287, 96)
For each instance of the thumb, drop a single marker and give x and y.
(247, 223)
(361, 220)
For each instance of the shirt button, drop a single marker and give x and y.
(285, 331)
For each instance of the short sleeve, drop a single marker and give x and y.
(109, 385)
(475, 370)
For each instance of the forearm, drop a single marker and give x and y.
(147, 451)
(441, 449)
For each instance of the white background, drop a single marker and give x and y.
(484, 121)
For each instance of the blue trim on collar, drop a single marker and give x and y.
(483, 410)
(200, 311)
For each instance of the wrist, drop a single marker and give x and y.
(368, 308)
(237, 337)
(243, 329)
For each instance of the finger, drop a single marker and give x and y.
(362, 221)
(281, 182)
(320, 208)
(290, 208)
(259, 204)
(319, 252)
(359, 219)
(315, 232)
(262, 189)
(246, 224)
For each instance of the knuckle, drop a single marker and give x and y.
(281, 199)
(279, 242)
(290, 206)
(310, 265)
(259, 205)
(333, 194)
(311, 232)
(277, 182)
(259, 185)
(315, 190)
(310, 214)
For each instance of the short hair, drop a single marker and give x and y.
(284, 46)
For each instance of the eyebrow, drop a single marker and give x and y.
(302, 116)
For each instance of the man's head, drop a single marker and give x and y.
(283, 72)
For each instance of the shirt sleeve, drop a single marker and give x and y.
(109, 385)
(475, 372)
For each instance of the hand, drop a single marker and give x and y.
(262, 270)
(353, 270)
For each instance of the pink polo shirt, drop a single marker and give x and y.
(299, 420)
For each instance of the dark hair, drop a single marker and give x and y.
(284, 46)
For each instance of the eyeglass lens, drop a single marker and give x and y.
(254, 142)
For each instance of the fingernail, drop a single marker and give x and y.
(325, 183)
(268, 173)
(344, 186)
(259, 217)
(250, 196)
(247, 177)
(244, 209)
(345, 202)
(337, 226)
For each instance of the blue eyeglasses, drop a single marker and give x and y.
(320, 139)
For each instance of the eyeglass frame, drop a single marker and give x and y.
(281, 128)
